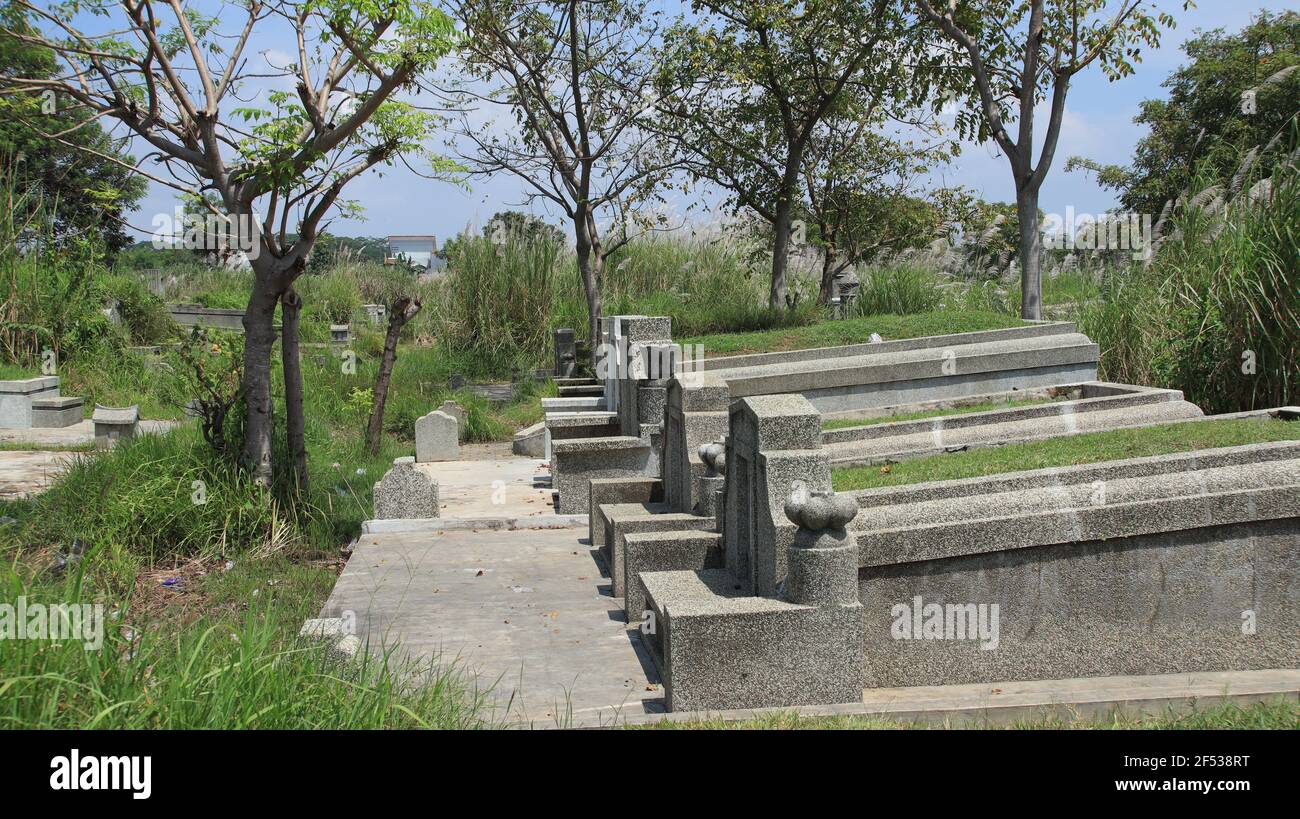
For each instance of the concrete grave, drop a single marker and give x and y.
(59, 411)
(437, 437)
(1176, 563)
(635, 364)
(1099, 406)
(1147, 566)
(16, 397)
(114, 423)
(189, 315)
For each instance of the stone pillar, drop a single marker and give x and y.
(822, 561)
(773, 449)
(695, 414)
(566, 353)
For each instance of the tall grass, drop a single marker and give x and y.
(53, 292)
(1217, 312)
(898, 290)
(239, 665)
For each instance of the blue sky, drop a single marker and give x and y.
(1099, 124)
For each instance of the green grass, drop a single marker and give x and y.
(1280, 714)
(832, 332)
(1088, 448)
(219, 650)
(983, 406)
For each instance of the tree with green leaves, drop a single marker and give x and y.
(1021, 52)
(758, 77)
(862, 196)
(83, 173)
(575, 78)
(1235, 100)
(175, 78)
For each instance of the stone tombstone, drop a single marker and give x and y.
(340, 333)
(643, 344)
(437, 438)
(455, 411)
(405, 491)
(375, 313)
(16, 399)
(773, 450)
(566, 352)
(114, 423)
(153, 281)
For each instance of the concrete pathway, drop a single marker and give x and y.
(78, 434)
(25, 472)
(504, 487)
(527, 611)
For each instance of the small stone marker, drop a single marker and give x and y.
(375, 313)
(112, 423)
(437, 438)
(406, 492)
(339, 333)
(566, 352)
(455, 411)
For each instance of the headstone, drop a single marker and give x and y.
(455, 411)
(340, 333)
(113, 423)
(405, 491)
(566, 353)
(375, 313)
(437, 438)
(153, 281)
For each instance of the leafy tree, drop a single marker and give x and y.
(277, 167)
(575, 76)
(1237, 94)
(80, 168)
(1021, 52)
(758, 77)
(861, 198)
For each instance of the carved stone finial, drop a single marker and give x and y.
(816, 511)
(714, 456)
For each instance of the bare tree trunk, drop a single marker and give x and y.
(1031, 284)
(402, 310)
(590, 268)
(830, 263)
(259, 339)
(295, 423)
(780, 253)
